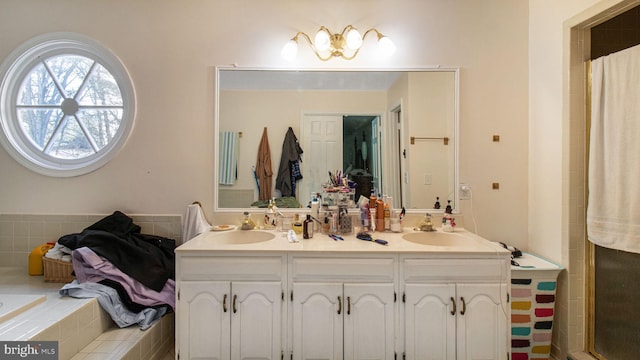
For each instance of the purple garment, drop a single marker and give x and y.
(91, 267)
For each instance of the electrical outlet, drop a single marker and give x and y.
(465, 191)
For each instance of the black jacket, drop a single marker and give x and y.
(148, 259)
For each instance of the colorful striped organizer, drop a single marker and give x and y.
(533, 294)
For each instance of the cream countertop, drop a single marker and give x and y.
(238, 241)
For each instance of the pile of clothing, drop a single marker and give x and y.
(132, 275)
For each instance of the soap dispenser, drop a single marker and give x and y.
(247, 222)
(270, 217)
(448, 209)
(437, 204)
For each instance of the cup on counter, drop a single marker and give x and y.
(396, 225)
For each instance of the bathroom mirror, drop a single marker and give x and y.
(393, 130)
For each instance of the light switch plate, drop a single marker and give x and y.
(465, 191)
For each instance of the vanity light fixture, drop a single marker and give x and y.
(346, 44)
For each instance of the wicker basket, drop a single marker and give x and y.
(57, 271)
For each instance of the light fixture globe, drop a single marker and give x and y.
(354, 39)
(322, 41)
(386, 46)
(290, 50)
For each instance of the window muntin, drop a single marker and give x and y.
(68, 105)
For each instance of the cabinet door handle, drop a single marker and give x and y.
(339, 305)
(348, 305)
(235, 298)
(224, 303)
(454, 307)
(464, 306)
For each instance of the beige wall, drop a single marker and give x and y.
(171, 48)
(511, 55)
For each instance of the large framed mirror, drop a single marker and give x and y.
(391, 130)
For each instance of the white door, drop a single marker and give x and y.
(430, 321)
(256, 320)
(369, 321)
(317, 321)
(322, 146)
(482, 322)
(204, 320)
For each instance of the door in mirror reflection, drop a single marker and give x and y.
(339, 144)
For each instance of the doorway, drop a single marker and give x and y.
(336, 142)
(612, 311)
(576, 284)
(360, 154)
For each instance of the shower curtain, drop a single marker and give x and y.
(613, 212)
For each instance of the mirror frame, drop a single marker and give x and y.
(456, 133)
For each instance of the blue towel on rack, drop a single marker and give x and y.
(228, 157)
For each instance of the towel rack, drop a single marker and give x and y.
(445, 139)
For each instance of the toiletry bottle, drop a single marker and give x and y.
(372, 222)
(297, 224)
(448, 209)
(307, 228)
(315, 207)
(372, 200)
(326, 228)
(270, 217)
(379, 214)
(364, 217)
(247, 222)
(333, 221)
(387, 214)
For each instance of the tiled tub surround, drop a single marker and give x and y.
(21, 233)
(83, 329)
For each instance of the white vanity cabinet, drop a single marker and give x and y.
(341, 300)
(455, 309)
(230, 307)
(343, 308)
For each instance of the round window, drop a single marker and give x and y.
(67, 104)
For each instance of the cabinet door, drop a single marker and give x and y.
(204, 325)
(430, 321)
(369, 321)
(256, 320)
(482, 322)
(317, 321)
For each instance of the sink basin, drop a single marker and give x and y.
(243, 237)
(437, 238)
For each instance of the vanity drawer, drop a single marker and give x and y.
(236, 268)
(351, 269)
(443, 270)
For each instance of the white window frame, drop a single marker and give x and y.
(13, 71)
